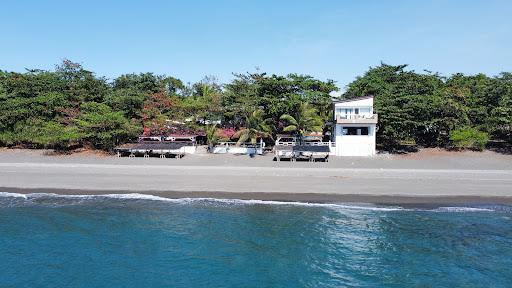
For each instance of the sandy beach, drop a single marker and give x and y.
(427, 177)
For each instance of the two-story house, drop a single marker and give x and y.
(354, 127)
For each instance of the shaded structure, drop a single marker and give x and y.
(162, 146)
(310, 148)
(311, 153)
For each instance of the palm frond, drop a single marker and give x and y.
(239, 133)
(306, 119)
(288, 118)
(243, 138)
(290, 128)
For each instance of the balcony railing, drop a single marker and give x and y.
(357, 119)
(305, 143)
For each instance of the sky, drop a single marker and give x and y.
(336, 39)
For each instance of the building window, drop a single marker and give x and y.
(355, 130)
(364, 111)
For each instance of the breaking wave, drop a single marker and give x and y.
(36, 197)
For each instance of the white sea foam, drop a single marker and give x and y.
(462, 209)
(139, 196)
(134, 196)
(17, 195)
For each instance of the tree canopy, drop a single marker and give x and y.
(425, 108)
(305, 119)
(71, 106)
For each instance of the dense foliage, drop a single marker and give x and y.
(469, 138)
(71, 107)
(304, 121)
(426, 108)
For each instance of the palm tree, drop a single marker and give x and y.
(255, 126)
(211, 136)
(305, 120)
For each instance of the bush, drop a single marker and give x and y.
(225, 134)
(469, 138)
(47, 134)
(104, 128)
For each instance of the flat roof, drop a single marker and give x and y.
(182, 135)
(353, 99)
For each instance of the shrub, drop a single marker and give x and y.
(211, 135)
(104, 128)
(225, 134)
(469, 138)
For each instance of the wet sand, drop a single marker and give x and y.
(442, 178)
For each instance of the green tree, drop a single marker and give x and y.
(127, 100)
(48, 134)
(277, 95)
(501, 119)
(144, 82)
(469, 138)
(256, 126)
(411, 106)
(303, 121)
(103, 128)
(41, 108)
(81, 85)
(211, 135)
(240, 99)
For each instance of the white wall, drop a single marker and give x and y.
(355, 145)
(188, 149)
(366, 102)
(224, 149)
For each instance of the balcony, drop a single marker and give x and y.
(357, 119)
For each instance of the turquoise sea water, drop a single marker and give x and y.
(143, 241)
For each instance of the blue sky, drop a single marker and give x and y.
(336, 40)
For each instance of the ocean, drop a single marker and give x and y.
(135, 240)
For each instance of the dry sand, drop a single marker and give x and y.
(430, 176)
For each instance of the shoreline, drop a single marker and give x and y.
(320, 198)
(461, 179)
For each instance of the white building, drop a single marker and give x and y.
(354, 127)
